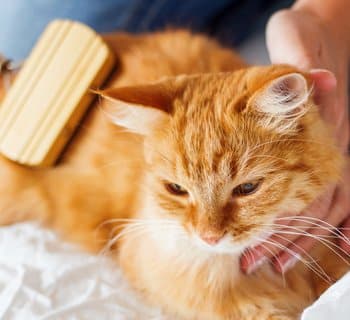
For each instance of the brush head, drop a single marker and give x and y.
(50, 95)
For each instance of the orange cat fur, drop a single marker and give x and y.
(190, 113)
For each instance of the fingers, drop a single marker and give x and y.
(289, 229)
(294, 38)
(295, 240)
(325, 93)
(325, 236)
(279, 48)
(324, 80)
(299, 248)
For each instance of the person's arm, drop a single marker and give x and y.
(314, 35)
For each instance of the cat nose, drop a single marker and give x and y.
(211, 238)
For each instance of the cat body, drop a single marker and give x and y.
(194, 127)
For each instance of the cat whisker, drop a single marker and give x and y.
(309, 264)
(125, 221)
(146, 224)
(251, 255)
(320, 238)
(271, 252)
(321, 273)
(129, 224)
(110, 243)
(130, 232)
(279, 228)
(137, 227)
(305, 253)
(329, 244)
(319, 223)
(308, 227)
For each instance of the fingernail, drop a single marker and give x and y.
(289, 264)
(256, 265)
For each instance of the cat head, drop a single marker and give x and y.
(227, 153)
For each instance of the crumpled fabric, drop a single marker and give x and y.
(332, 304)
(44, 278)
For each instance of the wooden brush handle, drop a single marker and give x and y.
(50, 94)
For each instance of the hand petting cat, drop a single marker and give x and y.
(312, 35)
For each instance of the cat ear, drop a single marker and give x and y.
(285, 95)
(139, 109)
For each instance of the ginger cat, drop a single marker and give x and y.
(204, 153)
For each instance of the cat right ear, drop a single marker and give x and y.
(140, 109)
(283, 101)
(284, 95)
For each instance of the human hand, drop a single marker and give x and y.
(302, 39)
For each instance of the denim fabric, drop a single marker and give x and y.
(21, 21)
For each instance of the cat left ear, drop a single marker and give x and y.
(285, 95)
(139, 109)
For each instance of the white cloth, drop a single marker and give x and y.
(42, 277)
(333, 304)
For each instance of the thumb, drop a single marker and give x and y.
(325, 84)
(284, 41)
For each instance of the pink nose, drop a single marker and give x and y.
(211, 238)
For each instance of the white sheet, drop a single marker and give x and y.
(41, 277)
(333, 304)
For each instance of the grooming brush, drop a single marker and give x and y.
(50, 94)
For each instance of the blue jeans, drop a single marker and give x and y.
(21, 21)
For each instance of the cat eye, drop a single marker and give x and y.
(176, 189)
(246, 189)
